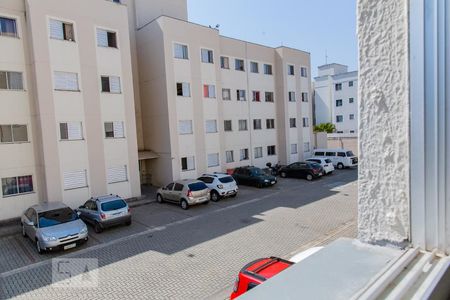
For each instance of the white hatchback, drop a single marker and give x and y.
(326, 164)
(221, 185)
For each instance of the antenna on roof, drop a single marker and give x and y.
(326, 57)
(217, 26)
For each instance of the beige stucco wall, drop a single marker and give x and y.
(384, 121)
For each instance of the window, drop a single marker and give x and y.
(11, 80)
(178, 187)
(229, 156)
(74, 180)
(209, 91)
(17, 185)
(294, 149)
(185, 127)
(271, 150)
(183, 89)
(269, 96)
(258, 152)
(257, 124)
(350, 83)
(339, 102)
(293, 122)
(351, 116)
(243, 125)
(338, 86)
(187, 163)
(254, 67)
(267, 69)
(256, 96)
(291, 70)
(8, 27)
(270, 123)
(224, 62)
(228, 125)
(13, 133)
(351, 100)
(226, 94)
(240, 95)
(305, 122)
(106, 38)
(339, 118)
(341, 154)
(60, 30)
(111, 84)
(352, 131)
(207, 56)
(239, 64)
(291, 96)
(306, 147)
(304, 97)
(114, 130)
(213, 160)
(70, 131)
(117, 174)
(65, 81)
(211, 126)
(303, 72)
(180, 51)
(244, 154)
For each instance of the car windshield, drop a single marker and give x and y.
(328, 160)
(350, 153)
(226, 179)
(56, 217)
(257, 172)
(197, 186)
(113, 205)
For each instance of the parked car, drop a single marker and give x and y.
(307, 170)
(253, 176)
(256, 272)
(104, 212)
(184, 192)
(326, 164)
(341, 158)
(220, 185)
(53, 226)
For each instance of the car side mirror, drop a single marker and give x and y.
(164, 188)
(81, 207)
(78, 213)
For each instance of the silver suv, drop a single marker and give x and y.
(221, 185)
(53, 226)
(184, 192)
(106, 211)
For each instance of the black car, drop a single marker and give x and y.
(253, 176)
(307, 170)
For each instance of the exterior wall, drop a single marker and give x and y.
(341, 141)
(384, 189)
(149, 10)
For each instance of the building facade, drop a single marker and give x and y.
(67, 116)
(336, 98)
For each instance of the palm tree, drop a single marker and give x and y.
(325, 127)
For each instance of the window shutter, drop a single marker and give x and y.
(114, 82)
(117, 174)
(15, 81)
(74, 131)
(205, 91)
(213, 160)
(186, 89)
(118, 129)
(66, 81)
(211, 126)
(56, 29)
(102, 38)
(75, 179)
(191, 163)
(185, 127)
(212, 91)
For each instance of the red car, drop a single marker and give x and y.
(257, 272)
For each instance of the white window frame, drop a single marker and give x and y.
(184, 54)
(207, 56)
(258, 152)
(213, 160)
(229, 156)
(72, 128)
(183, 124)
(79, 178)
(294, 148)
(211, 126)
(118, 130)
(229, 94)
(121, 168)
(241, 128)
(69, 78)
(185, 89)
(190, 163)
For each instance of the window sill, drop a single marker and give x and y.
(118, 182)
(17, 195)
(73, 91)
(73, 140)
(10, 36)
(13, 90)
(181, 58)
(14, 143)
(111, 93)
(188, 170)
(63, 40)
(108, 47)
(77, 188)
(115, 138)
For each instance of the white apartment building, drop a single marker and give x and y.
(67, 116)
(211, 103)
(336, 98)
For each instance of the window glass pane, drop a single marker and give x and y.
(229, 156)
(226, 94)
(211, 126)
(8, 27)
(5, 134)
(105, 84)
(63, 131)
(112, 39)
(185, 127)
(213, 160)
(3, 81)
(20, 133)
(109, 130)
(102, 38)
(9, 186)
(25, 184)
(15, 81)
(68, 32)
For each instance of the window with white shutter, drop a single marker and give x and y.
(258, 152)
(180, 51)
(213, 160)
(106, 38)
(229, 155)
(185, 127)
(71, 131)
(211, 126)
(183, 89)
(111, 84)
(117, 174)
(65, 81)
(188, 163)
(114, 130)
(294, 149)
(75, 179)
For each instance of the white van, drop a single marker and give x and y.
(341, 158)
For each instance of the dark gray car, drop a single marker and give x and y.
(104, 212)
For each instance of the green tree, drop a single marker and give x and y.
(325, 127)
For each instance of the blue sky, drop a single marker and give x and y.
(316, 26)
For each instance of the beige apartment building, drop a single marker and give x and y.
(67, 115)
(211, 103)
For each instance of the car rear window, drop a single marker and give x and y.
(197, 186)
(226, 179)
(328, 160)
(113, 205)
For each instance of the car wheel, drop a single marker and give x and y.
(128, 223)
(38, 247)
(98, 228)
(184, 205)
(283, 174)
(259, 185)
(205, 203)
(330, 173)
(159, 198)
(340, 166)
(24, 234)
(233, 196)
(309, 177)
(215, 196)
